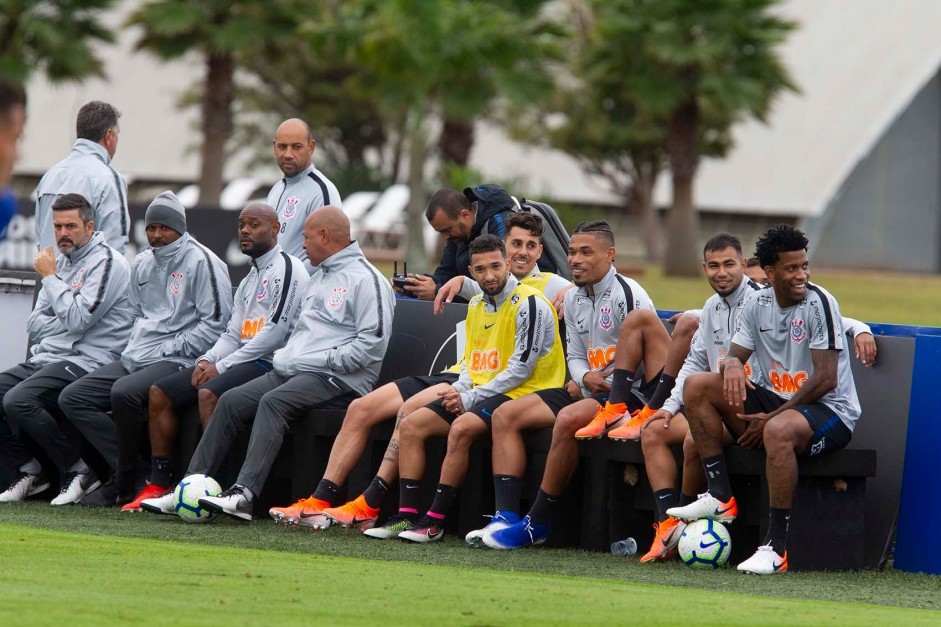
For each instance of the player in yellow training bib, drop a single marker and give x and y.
(513, 348)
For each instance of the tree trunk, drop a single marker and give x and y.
(456, 142)
(682, 257)
(415, 254)
(642, 191)
(218, 94)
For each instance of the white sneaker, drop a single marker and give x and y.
(764, 562)
(23, 486)
(160, 504)
(75, 486)
(500, 520)
(706, 506)
(231, 502)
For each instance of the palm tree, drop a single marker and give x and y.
(706, 65)
(223, 32)
(451, 60)
(52, 36)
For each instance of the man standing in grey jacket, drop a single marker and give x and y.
(182, 300)
(80, 321)
(333, 356)
(87, 171)
(303, 189)
(265, 311)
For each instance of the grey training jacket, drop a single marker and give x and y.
(345, 322)
(83, 314)
(264, 312)
(182, 299)
(86, 171)
(294, 199)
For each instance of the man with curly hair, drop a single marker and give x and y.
(804, 402)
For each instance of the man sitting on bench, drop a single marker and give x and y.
(806, 401)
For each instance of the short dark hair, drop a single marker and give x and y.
(600, 228)
(781, 238)
(11, 95)
(721, 242)
(95, 119)
(486, 244)
(67, 202)
(752, 262)
(526, 221)
(450, 201)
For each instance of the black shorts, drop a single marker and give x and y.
(410, 386)
(558, 399)
(830, 434)
(179, 386)
(484, 409)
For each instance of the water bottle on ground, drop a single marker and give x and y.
(627, 546)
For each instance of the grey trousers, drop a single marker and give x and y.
(29, 402)
(110, 388)
(272, 403)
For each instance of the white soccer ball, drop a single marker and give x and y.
(705, 544)
(187, 494)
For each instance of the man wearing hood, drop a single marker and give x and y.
(265, 311)
(333, 356)
(304, 188)
(87, 171)
(182, 301)
(81, 320)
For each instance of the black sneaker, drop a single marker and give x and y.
(105, 496)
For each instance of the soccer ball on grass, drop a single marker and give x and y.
(187, 494)
(705, 544)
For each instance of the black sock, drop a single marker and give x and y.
(161, 471)
(542, 507)
(409, 498)
(717, 477)
(778, 520)
(376, 491)
(662, 393)
(328, 491)
(439, 507)
(664, 500)
(686, 499)
(506, 491)
(621, 382)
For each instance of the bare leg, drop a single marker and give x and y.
(510, 421)
(389, 468)
(207, 405)
(563, 453)
(467, 429)
(414, 430)
(707, 410)
(785, 435)
(658, 458)
(163, 421)
(362, 415)
(694, 477)
(642, 340)
(680, 341)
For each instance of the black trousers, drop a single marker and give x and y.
(111, 388)
(30, 407)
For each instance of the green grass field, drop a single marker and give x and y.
(77, 566)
